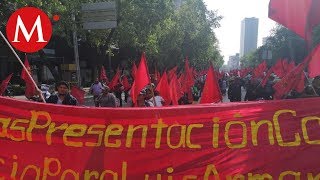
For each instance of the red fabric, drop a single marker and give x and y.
(30, 88)
(294, 80)
(174, 90)
(142, 78)
(211, 91)
(258, 72)
(280, 68)
(103, 75)
(134, 70)
(115, 79)
(125, 83)
(172, 72)
(300, 16)
(203, 72)
(265, 79)
(213, 136)
(164, 89)
(188, 80)
(244, 72)
(180, 85)
(4, 84)
(157, 75)
(78, 93)
(314, 64)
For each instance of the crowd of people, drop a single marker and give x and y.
(232, 87)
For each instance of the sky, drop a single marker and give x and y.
(233, 12)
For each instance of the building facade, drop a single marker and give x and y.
(234, 62)
(249, 35)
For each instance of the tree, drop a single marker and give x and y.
(284, 44)
(166, 33)
(170, 35)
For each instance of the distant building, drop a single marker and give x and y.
(234, 62)
(249, 35)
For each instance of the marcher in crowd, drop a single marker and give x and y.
(96, 90)
(107, 99)
(63, 96)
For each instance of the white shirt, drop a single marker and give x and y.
(159, 101)
(59, 101)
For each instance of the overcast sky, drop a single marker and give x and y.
(233, 12)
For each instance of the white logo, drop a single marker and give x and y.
(27, 36)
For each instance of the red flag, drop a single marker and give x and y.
(300, 16)
(126, 83)
(293, 80)
(174, 96)
(30, 88)
(314, 64)
(278, 69)
(4, 84)
(265, 79)
(164, 89)
(142, 78)
(258, 72)
(115, 79)
(211, 91)
(78, 93)
(180, 90)
(172, 72)
(134, 70)
(157, 75)
(188, 81)
(103, 76)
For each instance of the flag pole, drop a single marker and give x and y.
(23, 66)
(310, 83)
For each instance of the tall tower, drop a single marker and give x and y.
(249, 35)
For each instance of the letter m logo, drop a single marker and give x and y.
(20, 26)
(29, 29)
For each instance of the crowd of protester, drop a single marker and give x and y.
(234, 88)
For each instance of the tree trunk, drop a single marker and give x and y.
(51, 66)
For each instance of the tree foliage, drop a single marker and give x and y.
(169, 34)
(284, 44)
(165, 32)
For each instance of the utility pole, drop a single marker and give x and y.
(76, 50)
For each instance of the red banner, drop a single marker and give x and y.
(255, 140)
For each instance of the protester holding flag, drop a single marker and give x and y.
(63, 96)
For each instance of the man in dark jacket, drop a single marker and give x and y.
(63, 96)
(234, 91)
